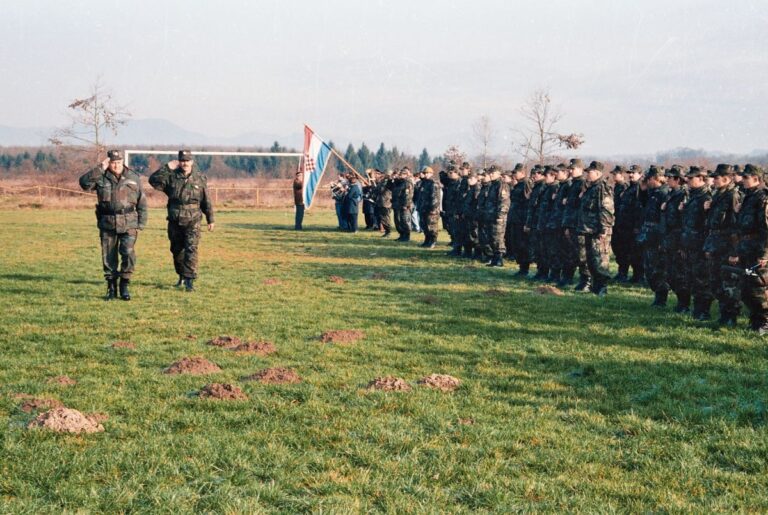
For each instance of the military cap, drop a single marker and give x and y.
(619, 169)
(562, 166)
(550, 170)
(737, 169)
(750, 169)
(185, 155)
(576, 163)
(654, 171)
(518, 168)
(696, 171)
(115, 155)
(427, 169)
(635, 169)
(595, 165)
(494, 168)
(405, 169)
(451, 167)
(676, 171)
(389, 171)
(722, 170)
(537, 169)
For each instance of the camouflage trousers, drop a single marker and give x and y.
(484, 236)
(697, 279)
(676, 273)
(520, 244)
(430, 224)
(655, 267)
(575, 254)
(114, 245)
(627, 251)
(184, 242)
(598, 251)
(725, 286)
(553, 244)
(403, 221)
(469, 231)
(498, 227)
(385, 220)
(536, 250)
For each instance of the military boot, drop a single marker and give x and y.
(467, 252)
(554, 276)
(726, 320)
(660, 299)
(623, 275)
(683, 303)
(566, 279)
(189, 284)
(541, 273)
(180, 281)
(585, 285)
(430, 243)
(523, 272)
(111, 289)
(124, 293)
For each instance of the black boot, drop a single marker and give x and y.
(189, 284)
(554, 276)
(430, 243)
(467, 252)
(523, 272)
(478, 254)
(111, 289)
(660, 299)
(386, 234)
(683, 303)
(180, 281)
(585, 285)
(455, 251)
(124, 293)
(566, 279)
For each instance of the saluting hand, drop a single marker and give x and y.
(105, 163)
(173, 164)
(211, 226)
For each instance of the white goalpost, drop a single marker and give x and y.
(127, 153)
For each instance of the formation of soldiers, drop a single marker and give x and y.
(702, 235)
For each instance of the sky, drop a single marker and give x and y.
(634, 77)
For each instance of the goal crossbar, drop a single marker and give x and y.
(127, 153)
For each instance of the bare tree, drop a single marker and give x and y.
(538, 140)
(454, 154)
(483, 135)
(91, 119)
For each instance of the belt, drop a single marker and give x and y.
(112, 212)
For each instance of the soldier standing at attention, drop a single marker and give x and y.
(546, 201)
(595, 222)
(188, 200)
(483, 248)
(384, 202)
(402, 204)
(618, 238)
(518, 207)
(557, 247)
(429, 207)
(576, 253)
(497, 207)
(298, 199)
(532, 218)
(672, 230)
(121, 213)
(721, 244)
(752, 249)
(469, 215)
(692, 242)
(650, 236)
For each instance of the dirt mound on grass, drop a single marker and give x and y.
(222, 392)
(225, 341)
(62, 380)
(123, 345)
(37, 404)
(260, 348)
(336, 279)
(66, 420)
(466, 421)
(271, 281)
(342, 336)
(549, 290)
(193, 365)
(442, 382)
(389, 384)
(275, 376)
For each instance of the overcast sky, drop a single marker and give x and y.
(632, 76)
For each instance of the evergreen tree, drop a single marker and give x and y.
(381, 159)
(424, 159)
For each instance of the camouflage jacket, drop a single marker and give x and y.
(752, 224)
(532, 216)
(596, 212)
(121, 205)
(672, 216)
(695, 219)
(451, 195)
(721, 221)
(497, 203)
(572, 199)
(558, 205)
(518, 202)
(650, 230)
(546, 204)
(429, 197)
(384, 193)
(188, 197)
(468, 208)
(629, 209)
(402, 194)
(618, 189)
(482, 199)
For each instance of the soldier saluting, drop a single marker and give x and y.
(121, 213)
(188, 201)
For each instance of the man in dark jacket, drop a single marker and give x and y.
(121, 212)
(429, 207)
(650, 236)
(384, 203)
(692, 242)
(298, 199)
(575, 255)
(351, 206)
(188, 201)
(518, 207)
(595, 222)
(672, 232)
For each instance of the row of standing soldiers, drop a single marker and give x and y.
(702, 235)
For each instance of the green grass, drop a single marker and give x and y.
(580, 404)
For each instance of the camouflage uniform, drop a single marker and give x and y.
(752, 224)
(548, 235)
(719, 244)
(428, 206)
(384, 204)
(121, 212)
(483, 249)
(535, 239)
(188, 201)
(496, 208)
(694, 224)
(458, 222)
(627, 250)
(575, 253)
(518, 207)
(450, 200)
(595, 221)
(650, 237)
(402, 204)
(558, 247)
(672, 229)
(468, 217)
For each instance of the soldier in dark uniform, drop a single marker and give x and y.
(618, 243)
(556, 246)
(518, 206)
(458, 222)
(595, 222)
(121, 212)
(402, 204)
(650, 236)
(546, 200)
(468, 215)
(450, 183)
(369, 200)
(694, 230)
(672, 231)
(188, 201)
(497, 207)
(532, 220)
(575, 255)
(629, 212)
(384, 203)
(721, 244)
(752, 249)
(429, 207)
(483, 249)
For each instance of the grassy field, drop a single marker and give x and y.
(578, 403)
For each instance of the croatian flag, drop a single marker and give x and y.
(316, 154)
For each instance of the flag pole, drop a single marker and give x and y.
(344, 161)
